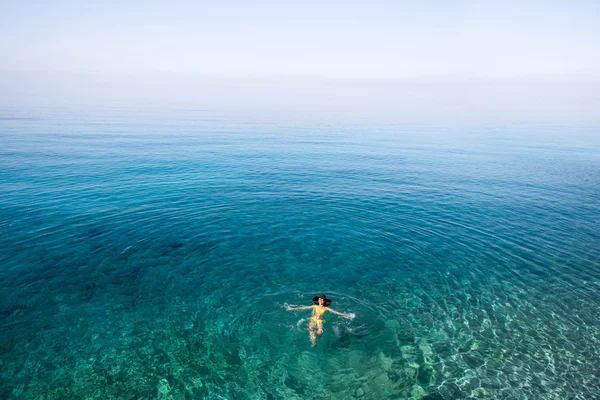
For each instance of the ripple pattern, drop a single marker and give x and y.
(154, 259)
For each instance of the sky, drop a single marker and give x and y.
(129, 50)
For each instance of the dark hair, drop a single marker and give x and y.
(326, 301)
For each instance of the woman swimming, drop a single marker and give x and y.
(315, 328)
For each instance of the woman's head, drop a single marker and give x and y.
(322, 300)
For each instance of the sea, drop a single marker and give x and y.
(154, 255)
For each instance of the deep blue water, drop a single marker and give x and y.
(146, 257)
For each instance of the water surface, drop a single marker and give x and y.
(146, 257)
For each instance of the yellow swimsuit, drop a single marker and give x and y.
(320, 312)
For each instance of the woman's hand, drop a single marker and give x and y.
(350, 316)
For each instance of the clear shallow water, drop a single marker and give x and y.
(153, 258)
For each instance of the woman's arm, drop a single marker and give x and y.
(349, 316)
(299, 308)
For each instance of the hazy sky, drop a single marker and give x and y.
(51, 46)
(303, 38)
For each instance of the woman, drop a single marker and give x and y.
(316, 320)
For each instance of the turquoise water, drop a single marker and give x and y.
(146, 257)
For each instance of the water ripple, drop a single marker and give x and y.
(156, 259)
